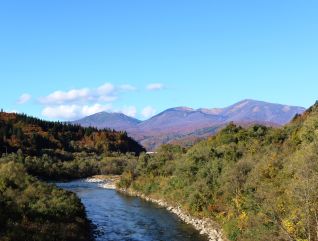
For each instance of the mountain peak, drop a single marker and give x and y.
(112, 120)
(184, 122)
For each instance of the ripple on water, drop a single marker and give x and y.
(122, 218)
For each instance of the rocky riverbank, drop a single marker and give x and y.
(104, 181)
(205, 226)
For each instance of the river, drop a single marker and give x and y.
(118, 217)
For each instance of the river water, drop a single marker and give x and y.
(118, 217)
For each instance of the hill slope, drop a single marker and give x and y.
(37, 137)
(33, 210)
(183, 124)
(258, 183)
(117, 121)
(260, 111)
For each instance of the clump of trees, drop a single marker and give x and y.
(259, 183)
(32, 210)
(82, 165)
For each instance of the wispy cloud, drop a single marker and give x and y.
(155, 86)
(24, 98)
(148, 112)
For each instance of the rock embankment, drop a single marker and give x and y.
(205, 226)
(104, 181)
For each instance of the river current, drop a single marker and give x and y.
(118, 217)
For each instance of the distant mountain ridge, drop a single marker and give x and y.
(180, 124)
(117, 121)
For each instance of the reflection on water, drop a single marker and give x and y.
(123, 218)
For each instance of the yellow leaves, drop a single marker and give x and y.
(295, 228)
(289, 226)
(295, 225)
(243, 219)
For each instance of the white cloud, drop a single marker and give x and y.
(65, 112)
(155, 86)
(127, 87)
(76, 103)
(60, 97)
(71, 112)
(104, 93)
(148, 112)
(130, 111)
(24, 98)
(90, 110)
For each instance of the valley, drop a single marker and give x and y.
(158, 120)
(248, 180)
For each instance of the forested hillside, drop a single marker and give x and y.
(258, 183)
(36, 137)
(31, 210)
(34, 211)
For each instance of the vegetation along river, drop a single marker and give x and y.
(118, 217)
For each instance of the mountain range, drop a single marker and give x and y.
(184, 125)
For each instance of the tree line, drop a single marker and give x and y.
(36, 137)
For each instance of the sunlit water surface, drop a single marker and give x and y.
(118, 217)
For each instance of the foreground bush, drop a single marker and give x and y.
(32, 210)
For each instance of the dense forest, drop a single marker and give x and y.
(32, 210)
(36, 137)
(258, 183)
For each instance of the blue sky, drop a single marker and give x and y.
(65, 59)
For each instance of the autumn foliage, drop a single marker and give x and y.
(259, 183)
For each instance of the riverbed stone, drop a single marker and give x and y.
(204, 226)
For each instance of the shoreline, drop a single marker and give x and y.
(205, 226)
(104, 181)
